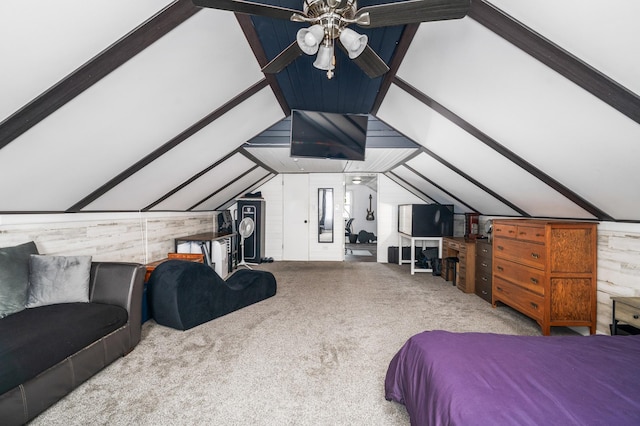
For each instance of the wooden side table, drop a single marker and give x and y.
(626, 310)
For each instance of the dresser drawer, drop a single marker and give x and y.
(483, 250)
(483, 265)
(523, 252)
(531, 233)
(483, 288)
(628, 314)
(524, 301)
(530, 278)
(504, 230)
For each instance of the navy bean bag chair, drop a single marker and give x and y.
(185, 294)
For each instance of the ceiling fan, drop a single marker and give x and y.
(329, 20)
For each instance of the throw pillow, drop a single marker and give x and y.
(14, 277)
(58, 279)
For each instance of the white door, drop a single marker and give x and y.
(296, 217)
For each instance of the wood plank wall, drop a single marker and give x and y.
(618, 266)
(138, 238)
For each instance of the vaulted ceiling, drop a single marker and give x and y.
(520, 108)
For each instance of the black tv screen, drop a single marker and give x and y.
(328, 135)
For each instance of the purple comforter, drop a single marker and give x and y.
(490, 379)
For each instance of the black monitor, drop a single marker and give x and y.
(328, 135)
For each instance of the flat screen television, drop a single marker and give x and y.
(426, 220)
(328, 135)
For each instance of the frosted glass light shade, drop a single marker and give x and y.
(324, 60)
(353, 42)
(309, 39)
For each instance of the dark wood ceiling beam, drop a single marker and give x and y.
(252, 37)
(401, 50)
(260, 181)
(511, 156)
(213, 194)
(95, 69)
(558, 59)
(426, 179)
(190, 180)
(409, 186)
(210, 118)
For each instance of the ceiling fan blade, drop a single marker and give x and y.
(283, 59)
(249, 8)
(413, 11)
(370, 63)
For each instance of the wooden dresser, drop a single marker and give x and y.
(546, 270)
(483, 269)
(465, 251)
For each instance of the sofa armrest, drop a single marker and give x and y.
(121, 284)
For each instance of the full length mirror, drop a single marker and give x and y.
(325, 215)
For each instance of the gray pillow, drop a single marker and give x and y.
(14, 277)
(58, 279)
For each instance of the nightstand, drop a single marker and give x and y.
(626, 310)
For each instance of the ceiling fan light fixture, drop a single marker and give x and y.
(352, 41)
(324, 60)
(309, 39)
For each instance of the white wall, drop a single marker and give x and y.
(119, 237)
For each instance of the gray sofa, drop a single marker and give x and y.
(47, 351)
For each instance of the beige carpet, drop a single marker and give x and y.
(315, 354)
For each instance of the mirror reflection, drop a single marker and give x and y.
(325, 215)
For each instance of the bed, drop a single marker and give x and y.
(446, 378)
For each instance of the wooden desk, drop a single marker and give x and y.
(413, 240)
(465, 251)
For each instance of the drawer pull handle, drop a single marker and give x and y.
(484, 265)
(500, 268)
(500, 248)
(535, 255)
(499, 288)
(533, 280)
(484, 278)
(539, 235)
(484, 292)
(523, 233)
(534, 305)
(635, 316)
(485, 250)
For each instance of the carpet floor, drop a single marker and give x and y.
(314, 354)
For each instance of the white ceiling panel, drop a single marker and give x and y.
(43, 41)
(235, 189)
(458, 186)
(380, 159)
(194, 155)
(119, 121)
(212, 181)
(467, 153)
(278, 158)
(531, 110)
(604, 35)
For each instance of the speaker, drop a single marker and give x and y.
(254, 244)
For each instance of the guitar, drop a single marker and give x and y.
(370, 215)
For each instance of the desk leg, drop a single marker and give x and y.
(413, 256)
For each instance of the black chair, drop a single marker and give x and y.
(347, 234)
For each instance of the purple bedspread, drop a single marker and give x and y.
(490, 379)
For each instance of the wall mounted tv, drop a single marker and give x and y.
(426, 220)
(328, 135)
